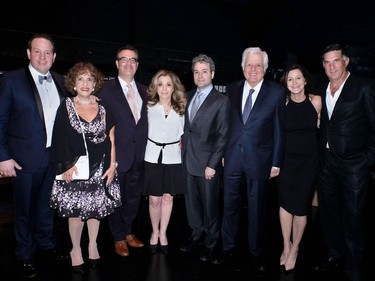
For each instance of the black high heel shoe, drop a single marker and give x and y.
(164, 249)
(93, 263)
(153, 249)
(80, 269)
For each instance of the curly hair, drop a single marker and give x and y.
(83, 68)
(178, 100)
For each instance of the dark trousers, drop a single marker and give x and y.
(121, 221)
(342, 199)
(202, 207)
(34, 219)
(236, 186)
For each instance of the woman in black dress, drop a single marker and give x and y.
(296, 180)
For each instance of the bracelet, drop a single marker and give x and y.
(115, 163)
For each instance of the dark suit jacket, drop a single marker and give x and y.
(22, 129)
(350, 132)
(130, 138)
(205, 139)
(262, 137)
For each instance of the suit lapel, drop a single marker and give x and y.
(238, 100)
(190, 96)
(211, 97)
(340, 100)
(59, 86)
(36, 94)
(120, 95)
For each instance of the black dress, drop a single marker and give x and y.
(297, 178)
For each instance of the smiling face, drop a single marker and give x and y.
(41, 55)
(202, 74)
(85, 84)
(127, 64)
(165, 88)
(254, 69)
(295, 81)
(335, 65)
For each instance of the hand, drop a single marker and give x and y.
(109, 174)
(68, 175)
(274, 172)
(8, 168)
(209, 173)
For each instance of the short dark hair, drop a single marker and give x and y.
(336, 47)
(44, 36)
(127, 47)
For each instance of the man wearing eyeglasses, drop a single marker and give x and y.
(127, 101)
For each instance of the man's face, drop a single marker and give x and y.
(41, 55)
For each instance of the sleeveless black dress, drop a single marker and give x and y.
(298, 175)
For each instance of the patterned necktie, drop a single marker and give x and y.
(47, 78)
(132, 102)
(195, 105)
(248, 105)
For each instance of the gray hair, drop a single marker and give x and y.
(256, 51)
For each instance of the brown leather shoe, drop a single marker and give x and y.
(134, 241)
(121, 248)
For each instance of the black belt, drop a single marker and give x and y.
(162, 144)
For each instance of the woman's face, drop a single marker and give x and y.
(85, 84)
(165, 87)
(296, 81)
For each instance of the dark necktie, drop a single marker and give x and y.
(47, 78)
(195, 105)
(248, 104)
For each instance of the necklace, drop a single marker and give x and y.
(84, 101)
(167, 108)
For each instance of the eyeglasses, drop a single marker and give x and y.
(125, 60)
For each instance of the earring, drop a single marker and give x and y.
(75, 89)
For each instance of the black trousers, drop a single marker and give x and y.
(342, 202)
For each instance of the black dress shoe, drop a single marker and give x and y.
(79, 269)
(153, 249)
(27, 269)
(207, 254)
(56, 254)
(328, 263)
(191, 244)
(259, 264)
(164, 249)
(93, 263)
(221, 257)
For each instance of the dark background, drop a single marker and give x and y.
(169, 33)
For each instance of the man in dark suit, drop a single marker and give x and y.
(130, 140)
(204, 140)
(253, 155)
(29, 98)
(347, 125)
